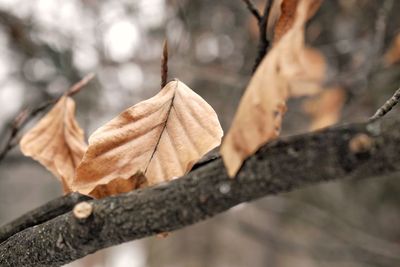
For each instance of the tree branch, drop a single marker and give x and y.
(164, 65)
(262, 21)
(253, 9)
(263, 43)
(19, 33)
(42, 214)
(281, 166)
(389, 104)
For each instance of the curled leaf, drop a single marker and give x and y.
(289, 69)
(57, 141)
(161, 138)
(287, 15)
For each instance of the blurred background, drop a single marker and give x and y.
(47, 45)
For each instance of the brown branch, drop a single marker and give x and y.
(389, 104)
(253, 9)
(26, 116)
(164, 65)
(263, 43)
(42, 214)
(77, 87)
(281, 166)
(23, 118)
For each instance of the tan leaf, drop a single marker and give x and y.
(392, 55)
(119, 185)
(325, 108)
(287, 16)
(161, 137)
(57, 141)
(305, 68)
(286, 70)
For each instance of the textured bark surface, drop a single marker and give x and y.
(42, 214)
(280, 166)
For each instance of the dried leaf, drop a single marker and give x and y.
(57, 141)
(118, 186)
(288, 13)
(161, 137)
(305, 68)
(289, 69)
(325, 108)
(392, 55)
(273, 17)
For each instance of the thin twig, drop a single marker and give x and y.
(264, 43)
(26, 115)
(42, 214)
(253, 9)
(164, 64)
(19, 122)
(389, 104)
(76, 88)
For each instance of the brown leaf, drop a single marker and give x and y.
(57, 141)
(119, 185)
(287, 16)
(325, 108)
(392, 55)
(305, 68)
(161, 137)
(286, 70)
(273, 17)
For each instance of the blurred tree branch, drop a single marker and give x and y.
(18, 31)
(339, 230)
(253, 9)
(262, 20)
(323, 252)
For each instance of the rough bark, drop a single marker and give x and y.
(281, 166)
(42, 214)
